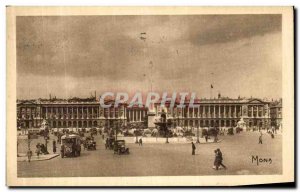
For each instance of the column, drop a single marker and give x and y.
(72, 113)
(251, 111)
(219, 111)
(46, 112)
(140, 115)
(92, 112)
(214, 111)
(235, 115)
(198, 111)
(68, 112)
(261, 109)
(99, 108)
(193, 112)
(30, 112)
(129, 115)
(230, 115)
(77, 116)
(209, 115)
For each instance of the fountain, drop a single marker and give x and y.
(163, 125)
(241, 124)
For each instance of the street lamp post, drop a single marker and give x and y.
(198, 133)
(167, 133)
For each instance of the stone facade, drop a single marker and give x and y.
(221, 112)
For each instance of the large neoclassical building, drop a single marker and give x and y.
(80, 113)
(221, 112)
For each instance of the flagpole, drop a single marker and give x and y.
(212, 84)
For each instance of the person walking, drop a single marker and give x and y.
(193, 148)
(206, 138)
(216, 162)
(54, 146)
(220, 159)
(29, 155)
(140, 142)
(260, 140)
(38, 150)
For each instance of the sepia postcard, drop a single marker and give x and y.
(150, 96)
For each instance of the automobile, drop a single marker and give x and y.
(120, 148)
(70, 145)
(109, 144)
(89, 143)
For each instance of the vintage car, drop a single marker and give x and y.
(120, 148)
(109, 144)
(70, 146)
(89, 143)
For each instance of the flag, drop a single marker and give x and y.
(211, 86)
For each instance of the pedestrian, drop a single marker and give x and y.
(216, 162)
(140, 142)
(260, 140)
(29, 154)
(38, 150)
(206, 138)
(272, 135)
(219, 159)
(193, 148)
(54, 146)
(216, 138)
(106, 143)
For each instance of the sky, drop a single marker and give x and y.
(74, 56)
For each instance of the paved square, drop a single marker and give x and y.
(165, 159)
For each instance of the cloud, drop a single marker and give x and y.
(179, 52)
(226, 28)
